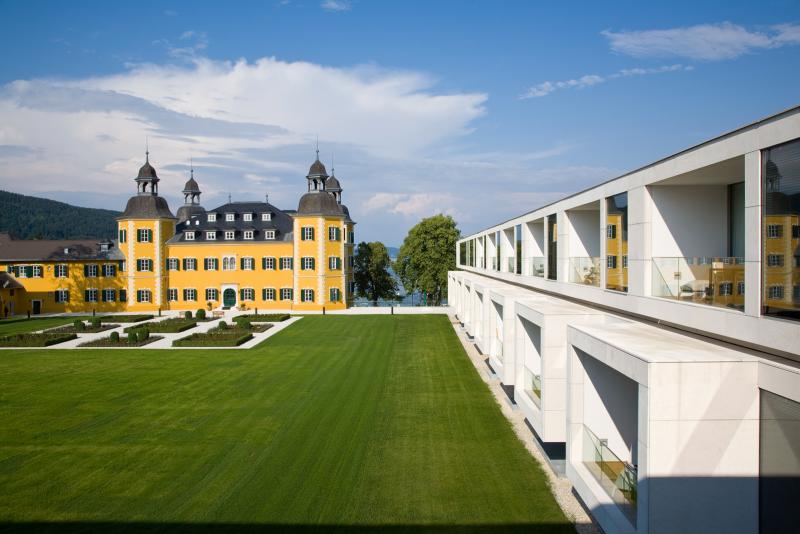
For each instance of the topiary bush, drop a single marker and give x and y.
(200, 314)
(132, 338)
(95, 322)
(187, 314)
(222, 325)
(143, 335)
(79, 325)
(114, 337)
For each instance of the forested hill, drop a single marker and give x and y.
(27, 217)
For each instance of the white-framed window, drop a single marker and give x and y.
(62, 295)
(307, 233)
(189, 236)
(212, 293)
(334, 233)
(726, 289)
(248, 234)
(625, 261)
(351, 237)
(286, 262)
(90, 295)
(268, 263)
(307, 263)
(211, 235)
(248, 264)
(306, 295)
(109, 295)
(287, 293)
(611, 231)
(774, 231)
(247, 217)
(173, 264)
(190, 294)
(189, 264)
(230, 235)
(334, 263)
(268, 293)
(269, 234)
(123, 266)
(351, 260)
(109, 269)
(36, 271)
(172, 294)
(144, 265)
(212, 217)
(210, 264)
(90, 270)
(248, 293)
(123, 236)
(335, 294)
(230, 217)
(144, 295)
(796, 292)
(144, 235)
(229, 263)
(775, 260)
(61, 271)
(266, 216)
(775, 292)
(740, 288)
(611, 262)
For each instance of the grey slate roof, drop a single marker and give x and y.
(56, 249)
(281, 222)
(186, 211)
(146, 206)
(318, 203)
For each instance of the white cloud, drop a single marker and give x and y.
(412, 205)
(710, 42)
(588, 80)
(336, 5)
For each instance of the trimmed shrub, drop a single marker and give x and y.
(143, 335)
(114, 337)
(95, 322)
(200, 314)
(222, 325)
(79, 325)
(132, 338)
(187, 314)
(34, 340)
(125, 318)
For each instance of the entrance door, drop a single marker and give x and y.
(229, 298)
(37, 306)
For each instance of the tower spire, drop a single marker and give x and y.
(146, 149)
(191, 167)
(317, 147)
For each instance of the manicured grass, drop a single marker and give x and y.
(22, 325)
(336, 420)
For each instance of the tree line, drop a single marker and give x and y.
(425, 257)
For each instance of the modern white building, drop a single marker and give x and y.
(651, 325)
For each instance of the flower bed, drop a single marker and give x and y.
(71, 329)
(125, 318)
(122, 342)
(35, 340)
(167, 326)
(263, 317)
(229, 337)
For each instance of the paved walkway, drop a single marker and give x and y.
(561, 487)
(166, 342)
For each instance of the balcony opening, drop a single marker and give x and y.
(617, 242)
(532, 362)
(552, 248)
(507, 250)
(698, 236)
(584, 244)
(533, 248)
(610, 432)
(496, 332)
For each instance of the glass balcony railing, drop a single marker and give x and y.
(713, 281)
(533, 266)
(494, 264)
(617, 477)
(585, 270)
(511, 265)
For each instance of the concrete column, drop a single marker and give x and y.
(752, 233)
(640, 253)
(603, 241)
(562, 230)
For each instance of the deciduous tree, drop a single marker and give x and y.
(371, 272)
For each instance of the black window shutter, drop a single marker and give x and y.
(66, 296)
(264, 263)
(241, 263)
(123, 295)
(263, 294)
(86, 295)
(241, 294)
(103, 295)
(55, 293)
(184, 264)
(66, 270)
(85, 270)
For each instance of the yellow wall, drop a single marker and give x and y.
(322, 278)
(154, 281)
(44, 288)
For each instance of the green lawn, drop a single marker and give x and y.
(22, 325)
(348, 420)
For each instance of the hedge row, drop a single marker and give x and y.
(35, 340)
(231, 338)
(118, 341)
(167, 326)
(125, 318)
(263, 317)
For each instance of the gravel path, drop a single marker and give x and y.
(561, 487)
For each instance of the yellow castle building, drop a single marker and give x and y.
(242, 254)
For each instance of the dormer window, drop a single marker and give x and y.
(230, 235)
(248, 234)
(269, 234)
(247, 217)
(266, 216)
(229, 217)
(211, 236)
(212, 217)
(189, 236)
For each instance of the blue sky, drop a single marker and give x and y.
(482, 110)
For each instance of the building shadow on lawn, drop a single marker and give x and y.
(221, 528)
